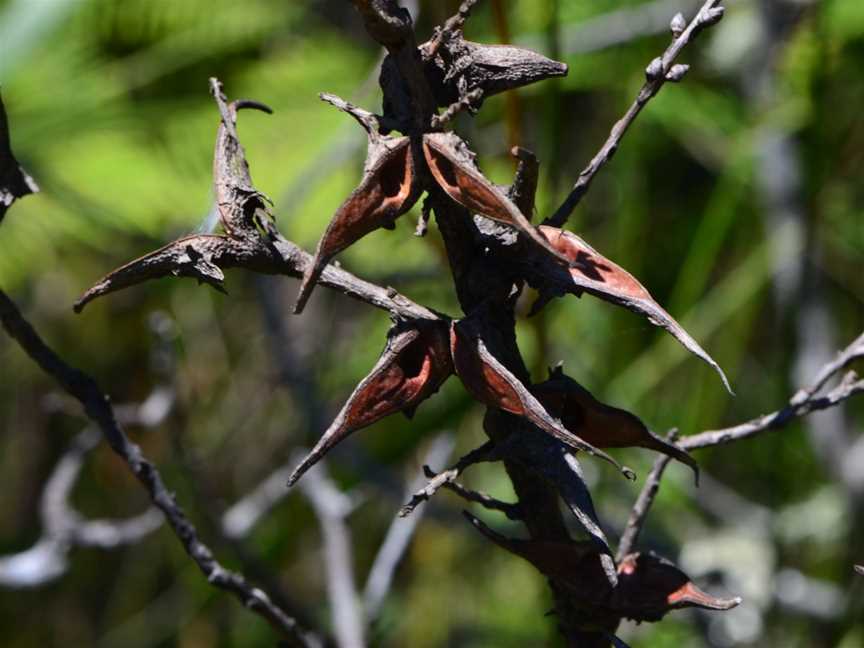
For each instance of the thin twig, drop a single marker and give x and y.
(512, 511)
(453, 24)
(849, 387)
(802, 403)
(639, 512)
(467, 101)
(98, 408)
(658, 73)
(486, 452)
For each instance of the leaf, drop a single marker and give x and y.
(491, 383)
(14, 181)
(452, 165)
(599, 424)
(593, 273)
(414, 364)
(650, 586)
(388, 190)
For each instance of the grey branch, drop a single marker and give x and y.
(656, 73)
(804, 402)
(239, 520)
(97, 407)
(63, 528)
(512, 511)
(639, 513)
(486, 452)
(399, 536)
(332, 508)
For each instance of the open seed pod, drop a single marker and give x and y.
(593, 273)
(387, 191)
(452, 165)
(599, 424)
(491, 383)
(414, 364)
(648, 586)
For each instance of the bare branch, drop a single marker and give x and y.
(332, 507)
(63, 528)
(453, 25)
(639, 513)
(98, 408)
(486, 452)
(657, 74)
(512, 511)
(796, 408)
(398, 537)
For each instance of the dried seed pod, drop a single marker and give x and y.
(452, 166)
(455, 66)
(591, 272)
(237, 200)
(198, 257)
(650, 586)
(387, 191)
(565, 562)
(414, 364)
(491, 383)
(599, 424)
(14, 181)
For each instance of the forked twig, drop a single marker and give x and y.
(659, 71)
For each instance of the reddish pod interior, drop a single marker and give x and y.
(589, 267)
(464, 188)
(480, 379)
(394, 388)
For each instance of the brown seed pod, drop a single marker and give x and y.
(192, 256)
(650, 586)
(565, 562)
(414, 364)
(452, 166)
(387, 191)
(237, 200)
(593, 273)
(491, 383)
(14, 181)
(599, 424)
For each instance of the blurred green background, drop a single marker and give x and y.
(736, 199)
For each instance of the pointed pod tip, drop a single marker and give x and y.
(723, 377)
(305, 292)
(297, 474)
